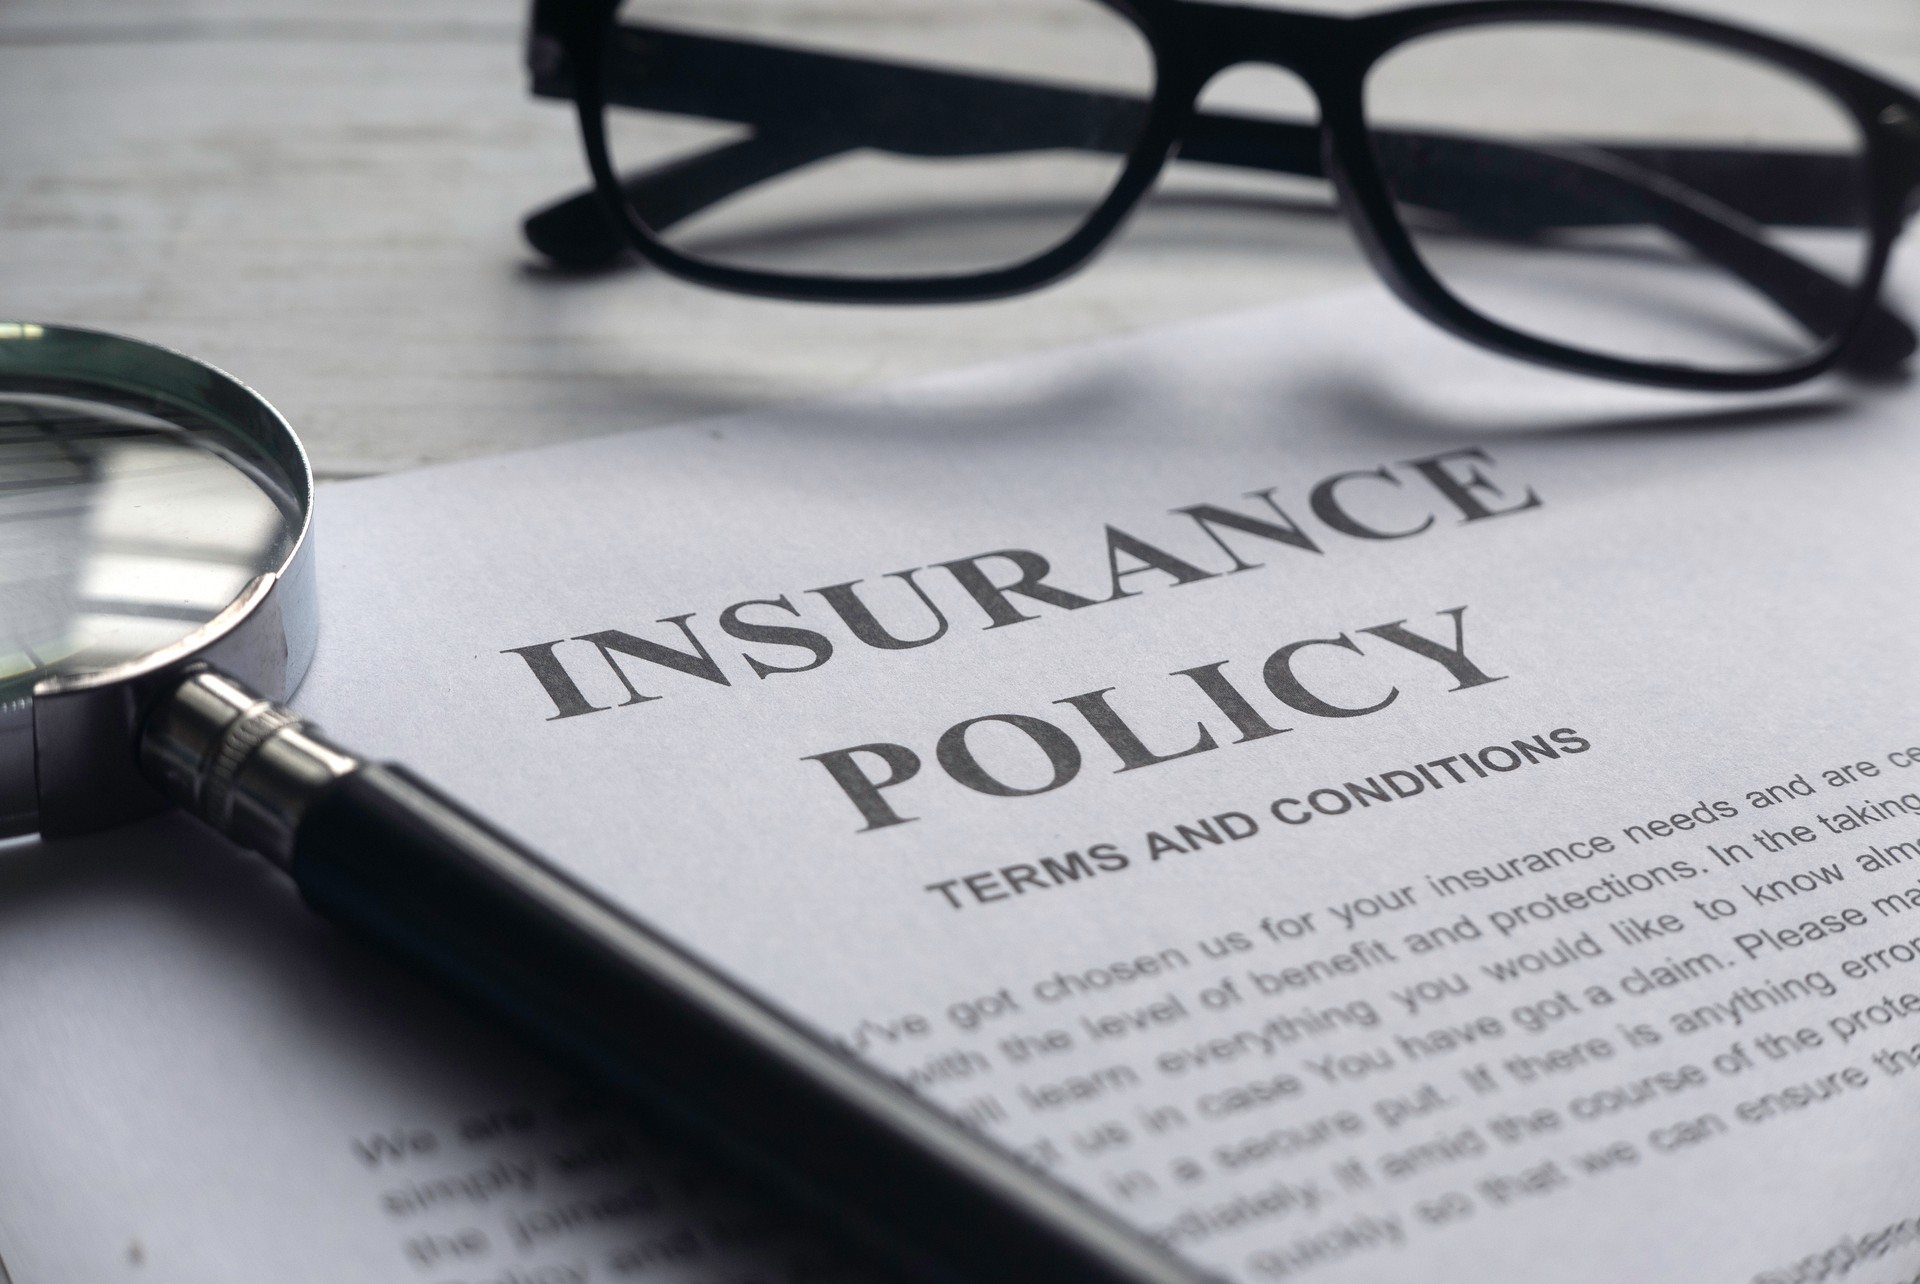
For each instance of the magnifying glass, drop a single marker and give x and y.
(157, 602)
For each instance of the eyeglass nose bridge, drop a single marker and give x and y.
(1327, 54)
(1323, 51)
(1330, 55)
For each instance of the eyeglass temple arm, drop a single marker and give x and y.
(807, 106)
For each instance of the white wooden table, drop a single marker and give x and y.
(323, 196)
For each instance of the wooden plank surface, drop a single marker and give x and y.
(323, 196)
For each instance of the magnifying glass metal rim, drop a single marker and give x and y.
(68, 762)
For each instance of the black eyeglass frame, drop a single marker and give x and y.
(1192, 41)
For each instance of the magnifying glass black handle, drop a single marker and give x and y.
(383, 854)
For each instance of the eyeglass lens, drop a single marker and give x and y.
(915, 138)
(1627, 193)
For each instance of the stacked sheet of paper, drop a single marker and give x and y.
(1360, 810)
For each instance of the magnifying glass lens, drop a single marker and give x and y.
(120, 534)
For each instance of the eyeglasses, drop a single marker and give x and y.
(1604, 188)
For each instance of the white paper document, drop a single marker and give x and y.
(1359, 809)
